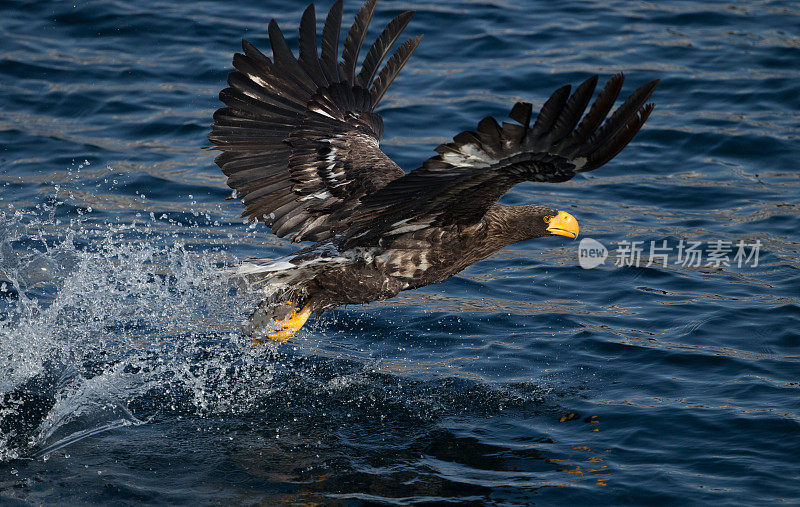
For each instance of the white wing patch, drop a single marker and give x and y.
(403, 226)
(407, 228)
(322, 112)
(469, 155)
(259, 81)
(319, 195)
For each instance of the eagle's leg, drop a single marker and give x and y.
(287, 327)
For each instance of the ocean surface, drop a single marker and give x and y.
(125, 379)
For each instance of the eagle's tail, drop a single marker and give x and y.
(292, 271)
(287, 283)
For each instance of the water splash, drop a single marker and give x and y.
(97, 318)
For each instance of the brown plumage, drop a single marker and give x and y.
(300, 146)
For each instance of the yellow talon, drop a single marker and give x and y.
(288, 327)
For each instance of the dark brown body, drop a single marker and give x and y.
(423, 257)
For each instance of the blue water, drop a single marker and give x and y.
(526, 379)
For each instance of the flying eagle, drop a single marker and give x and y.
(300, 146)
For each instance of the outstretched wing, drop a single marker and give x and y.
(468, 175)
(299, 136)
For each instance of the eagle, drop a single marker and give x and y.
(300, 143)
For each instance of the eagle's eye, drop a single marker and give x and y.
(547, 219)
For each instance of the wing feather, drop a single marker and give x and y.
(380, 48)
(549, 113)
(355, 39)
(392, 68)
(574, 109)
(330, 43)
(308, 48)
(286, 62)
(597, 113)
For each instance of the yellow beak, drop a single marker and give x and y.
(563, 224)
